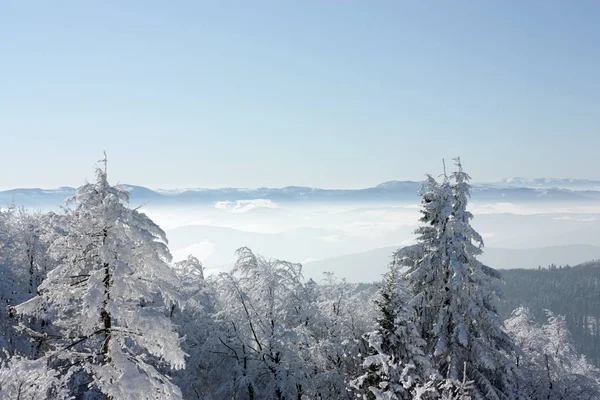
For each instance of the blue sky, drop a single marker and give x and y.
(330, 93)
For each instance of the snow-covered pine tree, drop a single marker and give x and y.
(397, 368)
(455, 294)
(109, 297)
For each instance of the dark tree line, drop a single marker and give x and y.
(570, 291)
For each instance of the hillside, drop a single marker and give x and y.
(368, 266)
(570, 291)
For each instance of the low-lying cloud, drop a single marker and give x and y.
(242, 206)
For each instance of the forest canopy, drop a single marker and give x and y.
(93, 307)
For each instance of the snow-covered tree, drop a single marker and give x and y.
(194, 319)
(553, 369)
(23, 265)
(10, 281)
(343, 313)
(25, 379)
(450, 389)
(397, 367)
(455, 295)
(108, 299)
(30, 230)
(264, 340)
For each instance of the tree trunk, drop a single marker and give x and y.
(31, 272)
(549, 378)
(104, 314)
(250, 392)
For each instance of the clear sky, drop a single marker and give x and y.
(329, 93)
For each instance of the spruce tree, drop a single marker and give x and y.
(397, 367)
(455, 295)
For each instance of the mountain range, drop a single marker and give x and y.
(564, 183)
(506, 190)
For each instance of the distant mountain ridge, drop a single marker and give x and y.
(561, 183)
(398, 191)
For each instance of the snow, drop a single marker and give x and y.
(97, 306)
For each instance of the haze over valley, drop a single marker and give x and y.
(525, 223)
